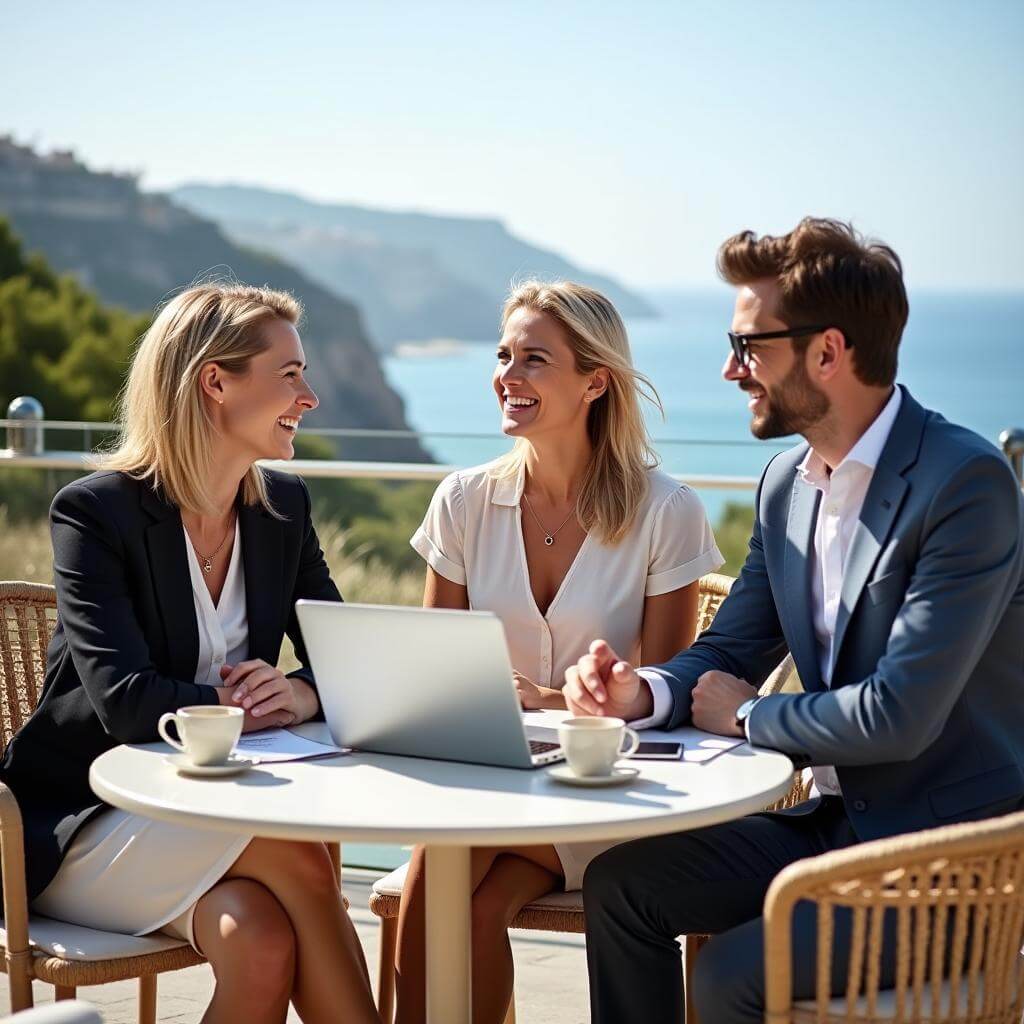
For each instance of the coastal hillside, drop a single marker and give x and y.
(135, 249)
(418, 276)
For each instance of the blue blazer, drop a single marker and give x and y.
(924, 714)
(127, 642)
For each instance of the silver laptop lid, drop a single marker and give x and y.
(415, 681)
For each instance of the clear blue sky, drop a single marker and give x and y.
(632, 138)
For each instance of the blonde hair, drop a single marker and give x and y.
(166, 429)
(616, 480)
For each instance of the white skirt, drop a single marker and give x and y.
(576, 856)
(129, 874)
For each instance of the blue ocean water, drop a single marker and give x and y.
(961, 354)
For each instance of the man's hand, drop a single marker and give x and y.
(600, 683)
(533, 697)
(716, 699)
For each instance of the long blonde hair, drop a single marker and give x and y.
(616, 480)
(166, 429)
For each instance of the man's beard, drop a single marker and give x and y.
(794, 406)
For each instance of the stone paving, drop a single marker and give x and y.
(551, 982)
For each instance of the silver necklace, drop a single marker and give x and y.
(207, 560)
(549, 538)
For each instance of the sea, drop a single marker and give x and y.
(962, 354)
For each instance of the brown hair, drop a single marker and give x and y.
(830, 275)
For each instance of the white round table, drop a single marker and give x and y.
(448, 806)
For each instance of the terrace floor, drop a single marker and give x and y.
(551, 978)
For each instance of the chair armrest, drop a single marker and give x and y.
(12, 868)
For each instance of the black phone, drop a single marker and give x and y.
(658, 750)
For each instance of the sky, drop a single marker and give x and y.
(631, 138)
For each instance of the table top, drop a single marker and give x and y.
(380, 798)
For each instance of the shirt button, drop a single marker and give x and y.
(860, 805)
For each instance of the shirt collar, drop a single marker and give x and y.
(508, 490)
(866, 452)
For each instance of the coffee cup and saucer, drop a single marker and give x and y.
(592, 746)
(208, 734)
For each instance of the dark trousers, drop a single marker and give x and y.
(641, 895)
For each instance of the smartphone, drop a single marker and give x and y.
(658, 750)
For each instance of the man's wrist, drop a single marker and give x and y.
(743, 714)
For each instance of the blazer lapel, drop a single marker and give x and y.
(803, 509)
(168, 562)
(882, 503)
(262, 552)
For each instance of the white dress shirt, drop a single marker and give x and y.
(843, 491)
(224, 627)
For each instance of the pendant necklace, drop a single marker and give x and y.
(207, 560)
(549, 538)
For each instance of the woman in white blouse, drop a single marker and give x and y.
(572, 534)
(177, 569)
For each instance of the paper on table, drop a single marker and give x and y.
(709, 747)
(277, 745)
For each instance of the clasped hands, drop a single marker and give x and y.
(601, 683)
(269, 697)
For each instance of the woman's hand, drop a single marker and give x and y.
(533, 697)
(270, 699)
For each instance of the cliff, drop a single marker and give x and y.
(135, 249)
(417, 275)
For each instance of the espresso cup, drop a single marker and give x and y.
(208, 732)
(592, 745)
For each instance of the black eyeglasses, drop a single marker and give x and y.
(741, 342)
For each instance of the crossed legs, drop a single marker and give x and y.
(275, 930)
(503, 882)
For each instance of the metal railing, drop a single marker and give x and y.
(26, 447)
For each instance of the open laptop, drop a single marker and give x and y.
(421, 682)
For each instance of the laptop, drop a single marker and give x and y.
(422, 682)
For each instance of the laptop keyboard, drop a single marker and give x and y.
(542, 747)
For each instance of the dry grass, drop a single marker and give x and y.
(25, 551)
(25, 555)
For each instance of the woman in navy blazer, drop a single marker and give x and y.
(177, 569)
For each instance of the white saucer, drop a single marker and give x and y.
(232, 766)
(619, 775)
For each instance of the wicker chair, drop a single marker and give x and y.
(560, 911)
(62, 954)
(958, 895)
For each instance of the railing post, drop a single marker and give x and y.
(1012, 443)
(27, 437)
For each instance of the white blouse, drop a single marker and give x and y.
(472, 535)
(224, 627)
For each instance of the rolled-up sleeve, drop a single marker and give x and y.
(439, 539)
(683, 545)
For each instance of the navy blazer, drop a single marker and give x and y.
(924, 714)
(126, 644)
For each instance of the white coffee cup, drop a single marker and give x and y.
(208, 732)
(593, 745)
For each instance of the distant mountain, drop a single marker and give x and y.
(417, 275)
(136, 249)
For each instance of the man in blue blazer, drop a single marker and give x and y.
(887, 557)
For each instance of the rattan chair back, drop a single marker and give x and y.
(28, 617)
(714, 589)
(958, 896)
